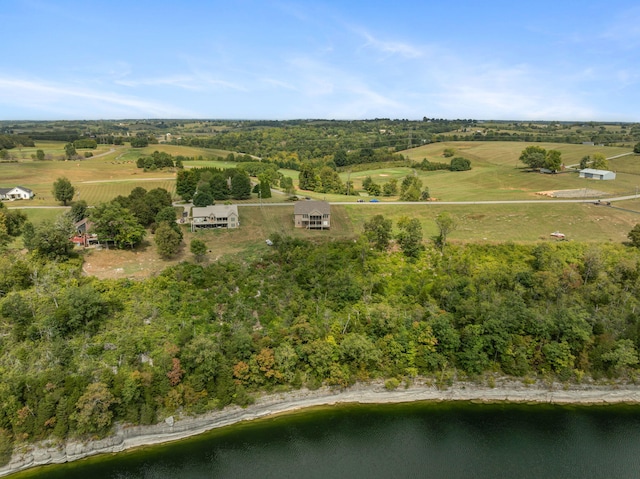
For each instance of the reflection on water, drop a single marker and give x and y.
(452, 440)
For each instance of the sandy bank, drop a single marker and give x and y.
(171, 430)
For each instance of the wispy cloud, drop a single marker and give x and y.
(624, 29)
(389, 47)
(43, 95)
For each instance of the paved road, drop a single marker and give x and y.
(435, 203)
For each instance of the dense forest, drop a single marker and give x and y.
(78, 353)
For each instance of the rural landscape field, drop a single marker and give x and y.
(497, 176)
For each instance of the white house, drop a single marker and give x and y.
(597, 174)
(16, 193)
(214, 216)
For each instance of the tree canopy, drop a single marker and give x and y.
(63, 190)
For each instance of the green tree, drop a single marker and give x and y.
(553, 160)
(40, 155)
(410, 188)
(219, 187)
(286, 183)
(63, 190)
(330, 181)
(534, 157)
(460, 164)
(308, 178)
(410, 236)
(198, 249)
(93, 410)
(390, 188)
(186, 184)
(139, 142)
(78, 211)
(378, 232)
(634, 236)
(446, 224)
(241, 186)
(600, 162)
(636, 148)
(50, 239)
(6, 447)
(167, 240)
(449, 152)
(70, 151)
(112, 222)
(264, 186)
(203, 197)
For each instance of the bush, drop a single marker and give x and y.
(6, 447)
(460, 164)
(391, 384)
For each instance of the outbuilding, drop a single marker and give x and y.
(597, 174)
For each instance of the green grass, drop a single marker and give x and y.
(512, 222)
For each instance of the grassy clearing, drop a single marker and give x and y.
(513, 222)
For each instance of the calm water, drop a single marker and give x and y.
(395, 441)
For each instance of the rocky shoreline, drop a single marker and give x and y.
(172, 429)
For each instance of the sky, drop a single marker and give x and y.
(333, 59)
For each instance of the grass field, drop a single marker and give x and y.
(496, 175)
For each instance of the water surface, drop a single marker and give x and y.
(421, 440)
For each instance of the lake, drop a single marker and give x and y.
(419, 440)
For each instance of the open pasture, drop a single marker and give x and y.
(506, 153)
(512, 222)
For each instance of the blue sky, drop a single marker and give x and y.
(280, 59)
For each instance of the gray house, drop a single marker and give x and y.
(215, 216)
(314, 215)
(597, 174)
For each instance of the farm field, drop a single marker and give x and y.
(496, 175)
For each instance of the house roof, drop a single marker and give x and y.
(595, 172)
(307, 207)
(219, 211)
(4, 191)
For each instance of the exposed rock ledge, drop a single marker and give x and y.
(127, 437)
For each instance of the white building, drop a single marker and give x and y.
(215, 216)
(597, 174)
(16, 193)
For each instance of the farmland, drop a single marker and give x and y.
(496, 174)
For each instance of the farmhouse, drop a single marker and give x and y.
(16, 193)
(214, 216)
(315, 215)
(597, 174)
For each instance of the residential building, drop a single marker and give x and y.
(315, 215)
(16, 193)
(215, 216)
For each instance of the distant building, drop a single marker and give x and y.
(597, 174)
(314, 215)
(16, 193)
(215, 216)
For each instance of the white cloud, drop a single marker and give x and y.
(39, 95)
(390, 48)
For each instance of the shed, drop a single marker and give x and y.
(597, 174)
